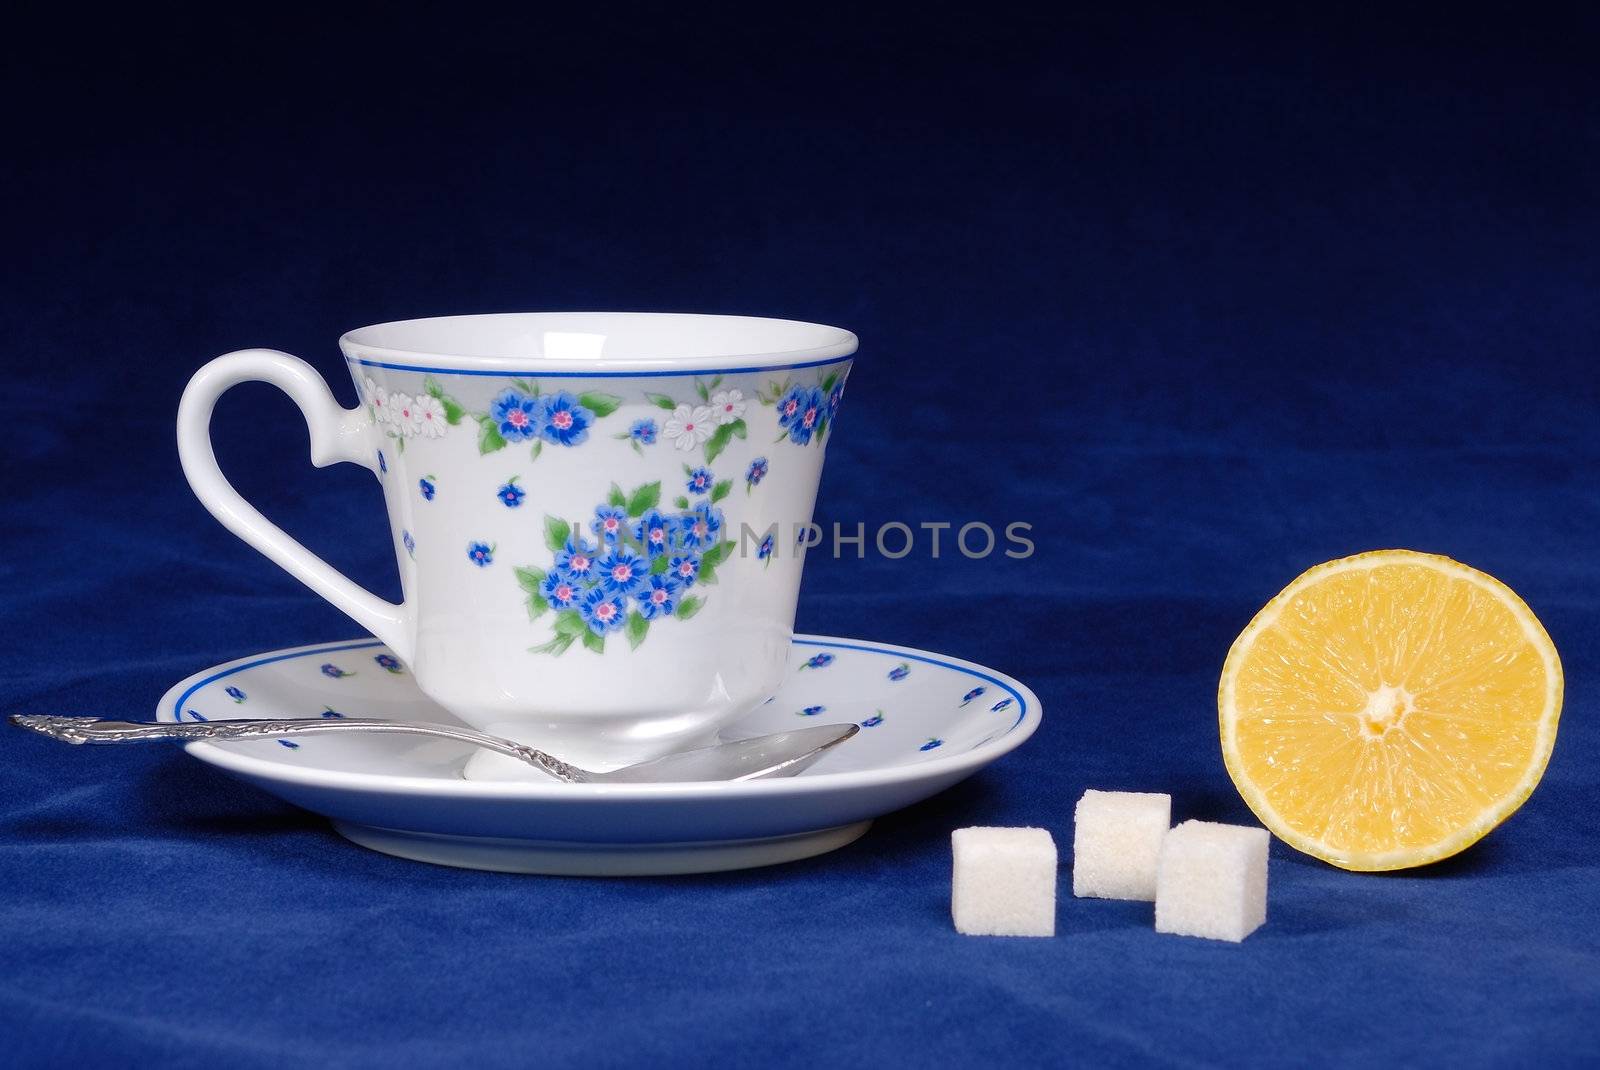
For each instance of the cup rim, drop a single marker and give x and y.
(502, 337)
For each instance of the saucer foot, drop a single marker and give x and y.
(556, 858)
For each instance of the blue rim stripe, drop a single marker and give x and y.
(1022, 703)
(665, 373)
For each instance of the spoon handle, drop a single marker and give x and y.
(94, 730)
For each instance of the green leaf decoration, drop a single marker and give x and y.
(715, 383)
(537, 606)
(453, 412)
(635, 445)
(644, 499)
(718, 442)
(700, 388)
(529, 578)
(636, 628)
(680, 502)
(538, 448)
(616, 497)
(828, 381)
(661, 401)
(526, 387)
(600, 404)
(556, 533)
(400, 445)
(569, 623)
(489, 439)
(596, 643)
(659, 565)
(432, 387)
(721, 490)
(739, 428)
(556, 646)
(688, 607)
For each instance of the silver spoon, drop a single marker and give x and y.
(778, 754)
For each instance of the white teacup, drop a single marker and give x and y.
(573, 579)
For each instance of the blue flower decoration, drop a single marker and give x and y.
(517, 416)
(874, 721)
(756, 472)
(609, 522)
(654, 532)
(700, 481)
(560, 589)
(410, 543)
(818, 661)
(234, 693)
(330, 669)
(791, 405)
(331, 714)
(427, 488)
(197, 715)
(764, 551)
(565, 420)
(291, 744)
(383, 465)
(658, 597)
(812, 711)
(480, 554)
(643, 432)
(684, 568)
(931, 744)
(805, 422)
(998, 706)
(900, 671)
(389, 663)
(510, 494)
(602, 612)
(835, 398)
(623, 572)
(700, 527)
(970, 695)
(577, 559)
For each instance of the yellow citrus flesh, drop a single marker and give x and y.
(1389, 709)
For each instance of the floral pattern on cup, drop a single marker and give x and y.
(805, 413)
(643, 433)
(409, 542)
(510, 494)
(480, 553)
(400, 416)
(427, 485)
(755, 474)
(524, 414)
(634, 573)
(709, 423)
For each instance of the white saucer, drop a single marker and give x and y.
(928, 722)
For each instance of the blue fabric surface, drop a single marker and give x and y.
(1204, 299)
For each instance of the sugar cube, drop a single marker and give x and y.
(1116, 843)
(1004, 882)
(1213, 881)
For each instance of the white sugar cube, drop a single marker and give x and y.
(1004, 882)
(1116, 843)
(1213, 881)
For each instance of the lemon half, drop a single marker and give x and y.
(1389, 709)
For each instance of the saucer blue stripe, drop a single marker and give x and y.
(183, 699)
(508, 373)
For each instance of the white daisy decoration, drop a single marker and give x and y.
(403, 414)
(430, 416)
(380, 403)
(688, 426)
(727, 406)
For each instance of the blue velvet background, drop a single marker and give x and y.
(1206, 299)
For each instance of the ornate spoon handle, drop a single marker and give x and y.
(94, 730)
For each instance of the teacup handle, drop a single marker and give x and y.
(337, 434)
